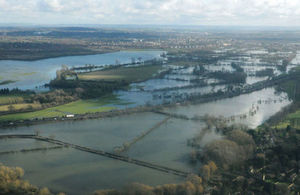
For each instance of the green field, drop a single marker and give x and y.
(31, 115)
(21, 106)
(129, 74)
(29, 73)
(282, 125)
(11, 99)
(77, 107)
(295, 116)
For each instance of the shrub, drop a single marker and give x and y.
(222, 152)
(11, 182)
(193, 185)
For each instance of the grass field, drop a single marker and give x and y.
(29, 73)
(282, 125)
(295, 115)
(11, 99)
(16, 107)
(129, 74)
(91, 105)
(77, 107)
(31, 115)
(288, 121)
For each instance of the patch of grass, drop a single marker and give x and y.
(16, 107)
(31, 115)
(29, 73)
(129, 74)
(295, 115)
(288, 120)
(11, 99)
(281, 125)
(77, 107)
(83, 106)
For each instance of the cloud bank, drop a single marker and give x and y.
(187, 12)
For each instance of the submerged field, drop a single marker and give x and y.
(76, 172)
(165, 145)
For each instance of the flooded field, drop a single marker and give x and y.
(76, 172)
(182, 82)
(250, 109)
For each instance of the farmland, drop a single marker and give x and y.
(128, 74)
(77, 107)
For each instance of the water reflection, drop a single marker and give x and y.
(240, 105)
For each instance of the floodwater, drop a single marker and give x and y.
(32, 74)
(263, 103)
(77, 172)
(296, 60)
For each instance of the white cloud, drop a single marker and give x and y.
(231, 12)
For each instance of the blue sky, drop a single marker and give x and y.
(174, 12)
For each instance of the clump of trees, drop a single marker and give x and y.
(198, 70)
(283, 67)
(208, 170)
(266, 72)
(244, 140)
(274, 169)
(264, 160)
(222, 151)
(236, 147)
(15, 91)
(230, 77)
(11, 182)
(88, 89)
(291, 86)
(193, 185)
(237, 67)
(37, 101)
(55, 97)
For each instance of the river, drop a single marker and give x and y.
(32, 74)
